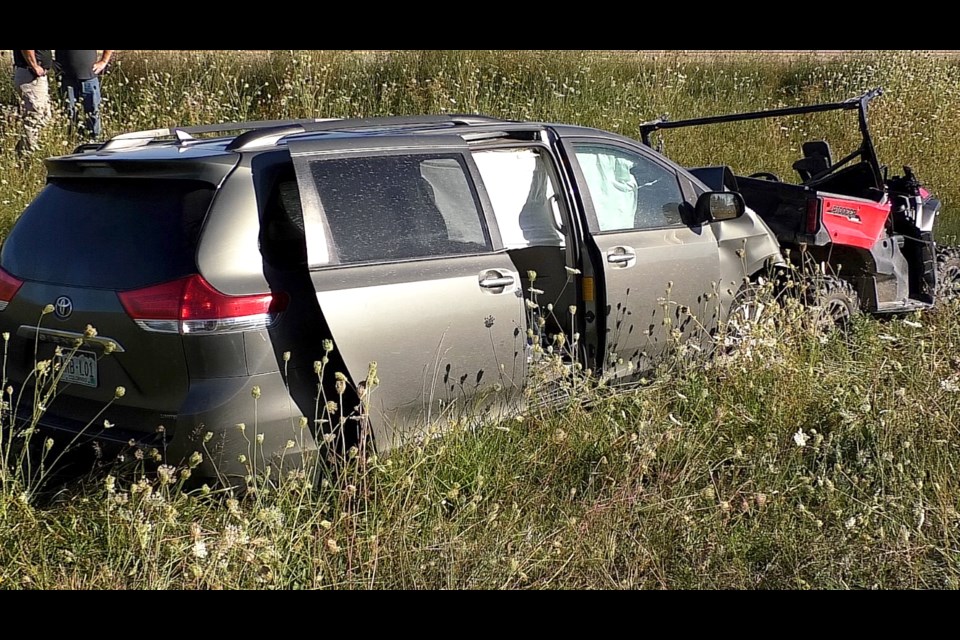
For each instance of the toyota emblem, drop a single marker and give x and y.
(63, 307)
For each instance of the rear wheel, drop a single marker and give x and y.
(948, 273)
(835, 303)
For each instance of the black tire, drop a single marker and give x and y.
(948, 273)
(835, 303)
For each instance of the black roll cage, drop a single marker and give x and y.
(866, 151)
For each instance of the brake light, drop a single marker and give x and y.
(8, 288)
(813, 215)
(191, 305)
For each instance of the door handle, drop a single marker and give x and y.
(497, 283)
(621, 258)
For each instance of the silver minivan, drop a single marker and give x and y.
(308, 285)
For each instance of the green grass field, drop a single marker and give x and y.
(808, 461)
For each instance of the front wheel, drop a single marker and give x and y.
(753, 314)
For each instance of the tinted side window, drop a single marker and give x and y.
(282, 238)
(523, 193)
(628, 190)
(399, 206)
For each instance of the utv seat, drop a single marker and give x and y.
(816, 159)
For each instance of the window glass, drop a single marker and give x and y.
(282, 237)
(399, 206)
(523, 193)
(108, 232)
(628, 190)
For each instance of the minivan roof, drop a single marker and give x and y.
(185, 143)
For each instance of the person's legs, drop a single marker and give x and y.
(69, 91)
(34, 96)
(90, 92)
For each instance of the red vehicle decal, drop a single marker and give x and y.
(854, 222)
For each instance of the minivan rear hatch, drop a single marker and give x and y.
(84, 248)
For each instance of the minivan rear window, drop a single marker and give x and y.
(109, 233)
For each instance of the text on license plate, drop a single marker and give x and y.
(81, 369)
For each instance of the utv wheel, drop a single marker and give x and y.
(948, 273)
(835, 303)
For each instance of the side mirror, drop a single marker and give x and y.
(720, 205)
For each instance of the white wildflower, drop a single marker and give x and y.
(951, 384)
(200, 549)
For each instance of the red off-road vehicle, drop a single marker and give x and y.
(874, 232)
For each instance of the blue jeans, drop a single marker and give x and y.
(87, 94)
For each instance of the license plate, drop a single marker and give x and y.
(81, 369)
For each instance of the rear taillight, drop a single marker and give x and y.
(813, 215)
(8, 288)
(190, 306)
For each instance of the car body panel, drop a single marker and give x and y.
(852, 221)
(648, 278)
(468, 336)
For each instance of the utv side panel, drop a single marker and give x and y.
(856, 223)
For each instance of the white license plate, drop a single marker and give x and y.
(81, 369)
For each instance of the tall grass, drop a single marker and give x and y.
(799, 460)
(805, 461)
(916, 121)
